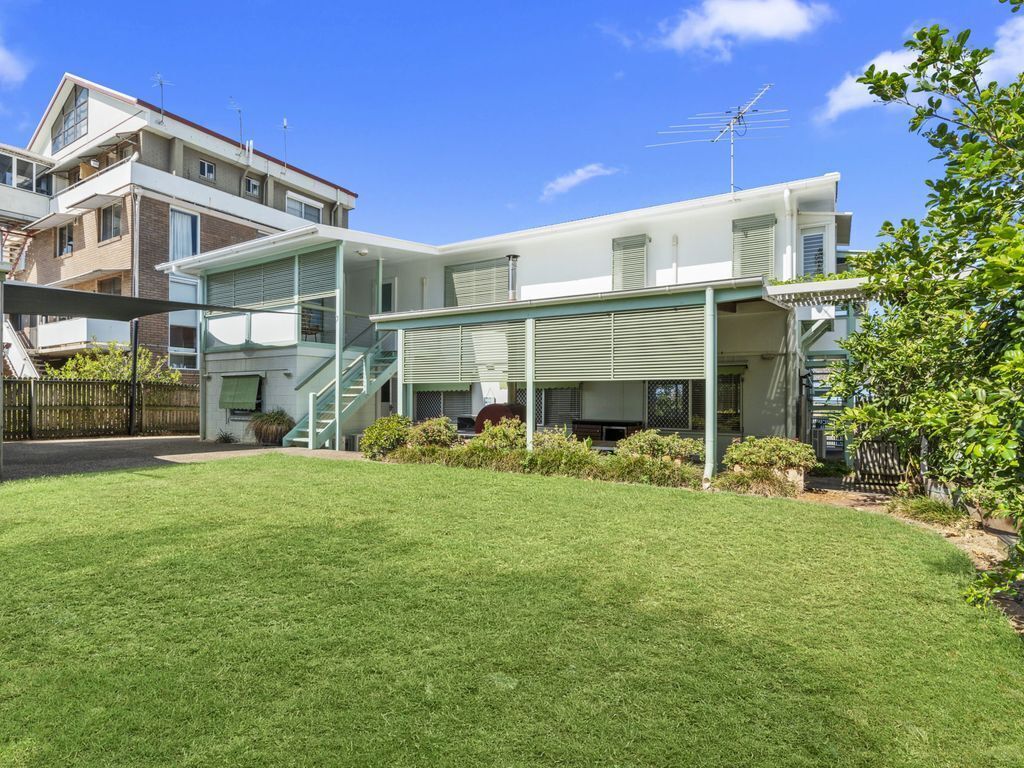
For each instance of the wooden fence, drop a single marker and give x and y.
(39, 409)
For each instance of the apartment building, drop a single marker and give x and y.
(110, 185)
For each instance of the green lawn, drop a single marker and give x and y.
(278, 611)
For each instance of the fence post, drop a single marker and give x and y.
(32, 409)
(142, 407)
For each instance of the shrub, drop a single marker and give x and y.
(385, 435)
(927, 510)
(476, 455)
(507, 435)
(560, 453)
(776, 453)
(418, 454)
(626, 468)
(830, 468)
(653, 444)
(757, 481)
(434, 432)
(270, 428)
(224, 436)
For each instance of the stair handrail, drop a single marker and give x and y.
(330, 360)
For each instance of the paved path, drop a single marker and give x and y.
(41, 458)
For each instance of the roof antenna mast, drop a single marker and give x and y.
(734, 123)
(159, 82)
(232, 104)
(284, 130)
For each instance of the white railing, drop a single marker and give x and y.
(79, 331)
(236, 329)
(17, 356)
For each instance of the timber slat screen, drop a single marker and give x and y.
(39, 409)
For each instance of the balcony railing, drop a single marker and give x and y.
(79, 332)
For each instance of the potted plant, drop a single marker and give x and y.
(270, 428)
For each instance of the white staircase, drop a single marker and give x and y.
(16, 356)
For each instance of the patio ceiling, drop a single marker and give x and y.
(812, 294)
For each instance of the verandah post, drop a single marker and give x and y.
(339, 338)
(531, 399)
(710, 385)
(402, 402)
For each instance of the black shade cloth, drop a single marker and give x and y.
(28, 299)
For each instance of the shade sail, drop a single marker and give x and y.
(28, 299)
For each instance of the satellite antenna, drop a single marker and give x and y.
(159, 82)
(232, 104)
(284, 129)
(734, 123)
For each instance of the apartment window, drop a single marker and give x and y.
(252, 187)
(303, 208)
(184, 235)
(66, 239)
(110, 222)
(680, 404)
(73, 121)
(207, 170)
(6, 170)
(110, 285)
(25, 178)
(813, 246)
(183, 326)
(44, 182)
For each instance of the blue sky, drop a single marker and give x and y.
(458, 119)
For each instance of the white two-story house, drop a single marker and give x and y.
(604, 325)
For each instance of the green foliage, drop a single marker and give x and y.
(829, 468)
(941, 370)
(772, 453)
(507, 435)
(112, 363)
(270, 427)
(819, 277)
(927, 510)
(224, 436)
(385, 435)
(440, 432)
(561, 453)
(653, 444)
(1006, 580)
(627, 468)
(757, 481)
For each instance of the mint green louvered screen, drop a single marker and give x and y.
(629, 262)
(482, 282)
(317, 272)
(253, 286)
(753, 246)
(467, 354)
(659, 344)
(621, 346)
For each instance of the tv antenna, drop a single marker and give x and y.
(734, 123)
(159, 82)
(232, 104)
(284, 130)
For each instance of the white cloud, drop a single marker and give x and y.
(12, 69)
(1005, 64)
(715, 26)
(568, 181)
(850, 95)
(1008, 60)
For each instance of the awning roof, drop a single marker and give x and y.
(51, 220)
(816, 293)
(84, 277)
(29, 299)
(93, 202)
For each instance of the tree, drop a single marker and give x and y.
(111, 363)
(940, 370)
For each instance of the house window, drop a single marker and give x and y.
(110, 285)
(184, 235)
(207, 170)
(680, 404)
(73, 121)
(430, 405)
(252, 187)
(183, 325)
(303, 208)
(66, 239)
(44, 183)
(813, 246)
(6, 170)
(554, 407)
(110, 222)
(241, 395)
(25, 178)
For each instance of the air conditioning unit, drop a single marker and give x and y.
(352, 442)
(819, 442)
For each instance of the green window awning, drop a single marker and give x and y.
(239, 392)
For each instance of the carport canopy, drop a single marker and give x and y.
(29, 299)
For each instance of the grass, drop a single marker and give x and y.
(281, 611)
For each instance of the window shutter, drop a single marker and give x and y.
(493, 352)
(248, 286)
(659, 344)
(561, 406)
(432, 354)
(455, 404)
(629, 262)
(279, 280)
(573, 348)
(482, 282)
(814, 253)
(753, 246)
(239, 392)
(220, 289)
(317, 273)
